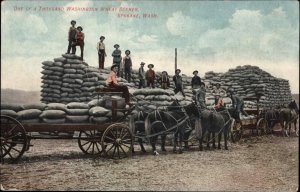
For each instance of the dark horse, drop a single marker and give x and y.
(137, 126)
(212, 122)
(287, 116)
(176, 119)
(272, 118)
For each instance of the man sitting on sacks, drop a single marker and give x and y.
(112, 83)
(219, 103)
(219, 93)
(237, 103)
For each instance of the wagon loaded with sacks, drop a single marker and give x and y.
(101, 131)
(255, 122)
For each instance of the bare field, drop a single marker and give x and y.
(267, 163)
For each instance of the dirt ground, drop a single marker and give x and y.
(267, 163)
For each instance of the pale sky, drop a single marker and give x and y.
(209, 36)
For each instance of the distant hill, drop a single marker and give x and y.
(19, 96)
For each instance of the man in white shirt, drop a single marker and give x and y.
(101, 52)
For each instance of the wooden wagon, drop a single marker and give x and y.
(256, 122)
(113, 139)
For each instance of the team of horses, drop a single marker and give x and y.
(285, 116)
(182, 120)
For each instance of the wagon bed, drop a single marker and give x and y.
(112, 139)
(255, 122)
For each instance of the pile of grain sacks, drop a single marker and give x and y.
(248, 81)
(59, 113)
(68, 79)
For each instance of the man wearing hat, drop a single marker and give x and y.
(117, 58)
(164, 80)
(237, 103)
(150, 76)
(219, 103)
(79, 42)
(178, 82)
(196, 80)
(71, 35)
(113, 83)
(219, 93)
(218, 90)
(127, 64)
(200, 96)
(101, 52)
(142, 76)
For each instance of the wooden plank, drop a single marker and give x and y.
(45, 127)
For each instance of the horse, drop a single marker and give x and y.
(176, 120)
(272, 118)
(287, 116)
(212, 122)
(137, 127)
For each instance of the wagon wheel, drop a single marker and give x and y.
(236, 131)
(13, 139)
(90, 142)
(117, 141)
(261, 126)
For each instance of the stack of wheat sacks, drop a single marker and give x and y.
(95, 111)
(68, 79)
(68, 92)
(248, 81)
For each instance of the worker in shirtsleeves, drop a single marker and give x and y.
(219, 93)
(196, 80)
(164, 80)
(71, 36)
(142, 76)
(178, 82)
(117, 59)
(237, 103)
(79, 42)
(101, 52)
(113, 83)
(150, 76)
(127, 65)
(200, 96)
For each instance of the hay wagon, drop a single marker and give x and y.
(255, 122)
(113, 139)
